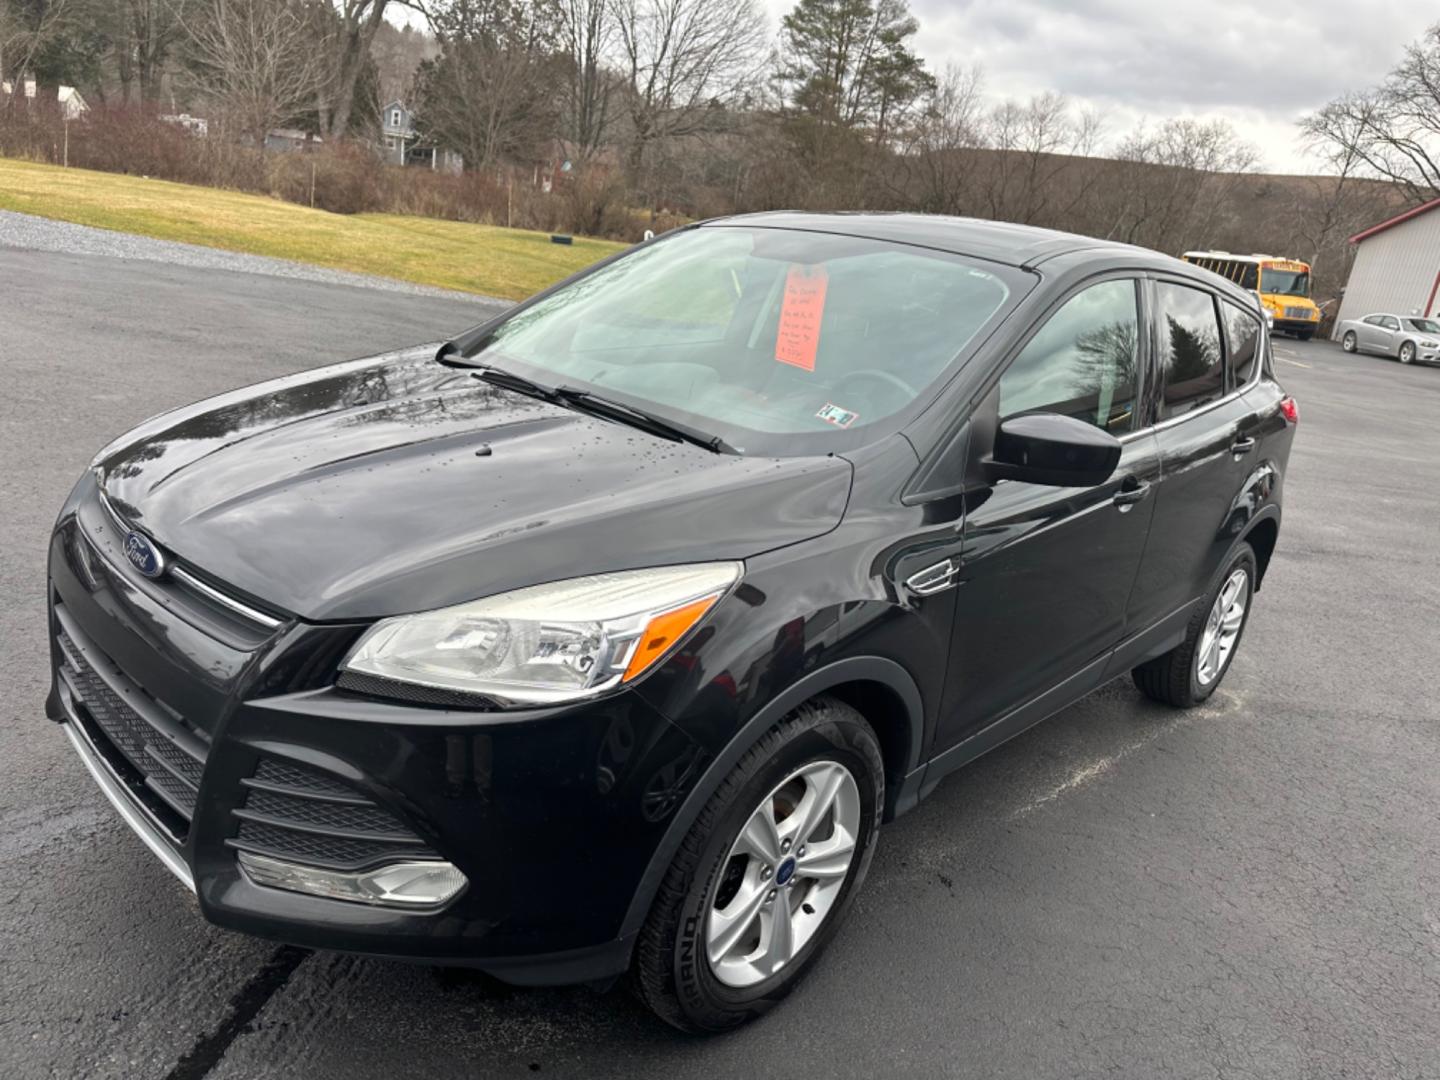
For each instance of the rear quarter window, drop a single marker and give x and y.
(1190, 354)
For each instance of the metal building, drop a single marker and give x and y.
(1397, 267)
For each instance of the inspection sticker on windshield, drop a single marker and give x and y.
(799, 333)
(834, 414)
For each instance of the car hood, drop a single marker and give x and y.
(397, 484)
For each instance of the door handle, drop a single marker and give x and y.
(1131, 492)
(1243, 444)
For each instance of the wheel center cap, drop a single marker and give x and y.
(785, 871)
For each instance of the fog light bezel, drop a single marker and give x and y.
(352, 886)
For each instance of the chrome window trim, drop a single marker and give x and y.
(190, 581)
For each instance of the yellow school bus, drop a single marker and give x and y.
(1283, 285)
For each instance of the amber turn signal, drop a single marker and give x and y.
(663, 631)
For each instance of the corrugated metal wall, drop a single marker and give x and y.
(1395, 270)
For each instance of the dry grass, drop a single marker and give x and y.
(508, 263)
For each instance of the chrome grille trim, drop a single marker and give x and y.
(190, 581)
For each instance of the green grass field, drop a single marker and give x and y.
(509, 263)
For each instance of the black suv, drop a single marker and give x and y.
(603, 638)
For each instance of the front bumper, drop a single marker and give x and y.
(1296, 326)
(552, 815)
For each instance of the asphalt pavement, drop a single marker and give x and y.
(1251, 889)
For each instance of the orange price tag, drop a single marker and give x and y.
(804, 304)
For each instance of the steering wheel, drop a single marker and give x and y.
(888, 378)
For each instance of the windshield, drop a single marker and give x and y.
(1285, 282)
(1425, 326)
(781, 342)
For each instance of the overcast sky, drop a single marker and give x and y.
(1258, 65)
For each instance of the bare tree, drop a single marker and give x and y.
(936, 159)
(586, 33)
(1392, 130)
(1038, 142)
(1171, 186)
(257, 59)
(348, 52)
(488, 94)
(683, 59)
(147, 32)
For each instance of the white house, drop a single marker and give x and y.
(404, 147)
(1397, 266)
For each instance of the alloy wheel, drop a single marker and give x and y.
(784, 874)
(1222, 628)
(1407, 353)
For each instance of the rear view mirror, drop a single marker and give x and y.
(1047, 448)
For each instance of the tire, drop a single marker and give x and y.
(1407, 352)
(674, 973)
(1184, 676)
(1348, 342)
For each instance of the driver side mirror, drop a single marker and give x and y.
(1047, 448)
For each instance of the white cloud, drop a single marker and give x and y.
(1258, 65)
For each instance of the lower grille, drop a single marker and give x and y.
(301, 814)
(166, 755)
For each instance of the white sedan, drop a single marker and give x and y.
(1408, 338)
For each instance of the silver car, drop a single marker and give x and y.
(1408, 338)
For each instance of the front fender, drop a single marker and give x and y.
(849, 670)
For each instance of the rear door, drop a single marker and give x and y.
(1206, 351)
(1046, 572)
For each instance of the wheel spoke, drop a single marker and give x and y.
(729, 927)
(761, 838)
(780, 939)
(1233, 618)
(820, 791)
(830, 859)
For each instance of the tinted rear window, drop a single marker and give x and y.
(1192, 371)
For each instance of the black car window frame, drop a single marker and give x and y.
(983, 408)
(1224, 305)
(1140, 414)
(1156, 380)
(1177, 281)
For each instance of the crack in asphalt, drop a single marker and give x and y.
(208, 1050)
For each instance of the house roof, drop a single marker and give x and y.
(1414, 211)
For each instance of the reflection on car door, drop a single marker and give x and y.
(1046, 572)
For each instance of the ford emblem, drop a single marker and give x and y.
(143, 555)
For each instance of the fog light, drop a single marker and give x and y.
(418, 885)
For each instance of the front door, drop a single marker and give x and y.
(1046, 572)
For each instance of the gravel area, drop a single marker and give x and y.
(30, 233)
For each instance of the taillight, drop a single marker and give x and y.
(1291, 410)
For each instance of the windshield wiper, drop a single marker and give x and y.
(639, 418)
(586, 402)
(508, 380)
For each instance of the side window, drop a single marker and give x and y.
(1082, 362)
(1374, 320)
(1249, 276)
(1242, 341)
(1390, 322)
(1192, 372)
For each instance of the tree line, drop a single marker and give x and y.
(688, 108)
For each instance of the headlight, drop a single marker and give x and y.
(1430, 344)
(547, 643)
